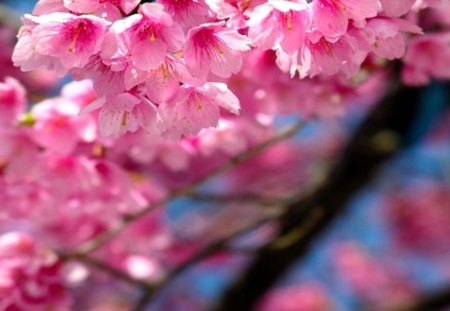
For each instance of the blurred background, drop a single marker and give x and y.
(389, 248)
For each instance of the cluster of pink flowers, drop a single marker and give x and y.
(31, 276)
(417, 215)
(306, 297)
(163, 66)
(377, 282)
(160, 87)
(58, 175)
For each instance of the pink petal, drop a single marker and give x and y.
(148, 55)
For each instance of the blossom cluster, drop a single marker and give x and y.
(163, 66)
(31, 276)
(65, 183)
(156, 109)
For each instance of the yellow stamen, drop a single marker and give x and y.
(198, 103)
(124, 118)
(327, 47)
(245, 4)
(152, 37)
(98, 150)
(339, 5)
(165, 74)
(75, 38)
(289, 22)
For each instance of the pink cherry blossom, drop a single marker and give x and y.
(371, 278)
(12, 101)
(330, 58)
(386, 36)
(30, 275)
(69, 39)
(196, 108)
(58, 128)
(427, 57)
(25, 54)
(187, 13)
(235, 12)
(279, 22)
(148, 36)
(123, 113)
(162, 83)
(110, 9)
(307, 297)
(105, 79)
(214, 48)
(396, 8)
(331, 17)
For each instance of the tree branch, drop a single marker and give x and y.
(227, 165)
(377, 139)
(105, 267)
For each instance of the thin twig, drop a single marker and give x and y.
(205, 252)
(222, 243)
(111, 270)
(112, 232)
(240, 198)
(310, 217)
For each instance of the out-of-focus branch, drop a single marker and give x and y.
(149, 289)
(227, 165)
(377, 139)
(223, 243)
(207, 251)
(240, 198)
(108, 269)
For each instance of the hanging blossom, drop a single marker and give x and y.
(145, 59)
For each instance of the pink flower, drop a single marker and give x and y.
(105, 79)
(195, 109)
(145, 149)
(427, 57)
(124, 113)
(307, 297)
(12, 101)
(71, 39)
(235, 12)
(215, 48)
(49, 6)
(187, 13)
(331, 17)
(25, 54)
(30, 275)
(228, 138)
(279, 22)
(148, 36)
(160, 84)
(58, 128)
(417, 215)
(378, 283)
(18, 154)
(396, 8)
(386, 36)
(329, 58)
(110, 9)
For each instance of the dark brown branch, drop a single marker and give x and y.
(103, 238)
(208, 250)
(108, 269)
(377, 139)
